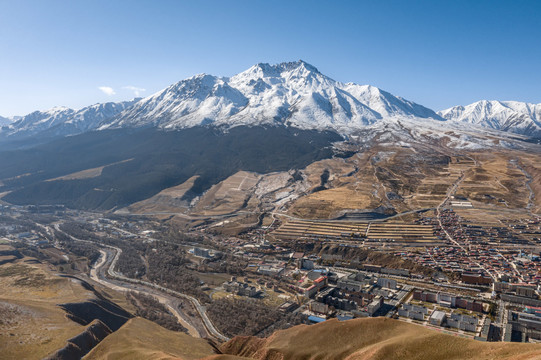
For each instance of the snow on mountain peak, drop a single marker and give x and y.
(61, 120)
(512, 116)
(5, 121)
(290, 93)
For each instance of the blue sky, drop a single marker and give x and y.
(436, 53)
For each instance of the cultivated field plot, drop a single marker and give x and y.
(351, 184)
(229, 195)
(396, 178)
(167, 200)
(320, 230)
(489, 215)
(531, 167)
(433, 188)
(495, 179)
(330, 203)
(403, 234)
(397, 233)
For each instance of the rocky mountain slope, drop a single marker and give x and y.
(293, 94)
(62, 121)
(511, 116)
(4, 121)
(268, 118)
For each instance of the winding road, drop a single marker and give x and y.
(97, 270)
(123, 283)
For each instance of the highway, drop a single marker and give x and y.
(96, 274)
(124, 283)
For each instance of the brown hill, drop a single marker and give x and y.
(143, 339)
(371, 338)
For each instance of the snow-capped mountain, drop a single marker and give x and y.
(41, 120)
(4, 121)
(293, 94)
(511, 116)
(64, 121)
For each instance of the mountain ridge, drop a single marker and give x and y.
(510, 116)
(369, 338)
(291, 94)
(62, 120)
(5, 121)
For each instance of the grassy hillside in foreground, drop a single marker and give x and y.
(371, 338)
(143, 339)
(32, 325)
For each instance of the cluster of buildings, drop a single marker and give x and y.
(518, 289)
(334, 300)
(312, 284)
(489, 257)
(454, 320)
(357, 294)
(240, 288)
(415, 312)
(486, 252)
(439, 318)
(274, 269)
(203, 253)
(462, 322)
(448, 300)
(523, 325)
(28, 237)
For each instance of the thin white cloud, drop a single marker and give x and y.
(107, 90)
(137, 91)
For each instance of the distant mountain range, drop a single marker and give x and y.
(511, 116)
(269, 118)
(62, 120)
(293, 94)
(5, 121)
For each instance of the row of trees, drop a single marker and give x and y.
(167, 266)
(78, 248)
(130, 262)
(248, 317)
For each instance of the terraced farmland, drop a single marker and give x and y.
(320, 230)
(402, 234)
(396, 233)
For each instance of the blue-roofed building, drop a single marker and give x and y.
(315, 319)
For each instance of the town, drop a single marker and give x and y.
(439, 271)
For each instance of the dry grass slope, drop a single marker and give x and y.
(143, 339)
(36, 326)
(168, 200)
(86, 174)
(372, 338)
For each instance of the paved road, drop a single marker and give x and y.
(116, 276)
(96, 274)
